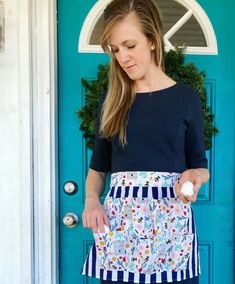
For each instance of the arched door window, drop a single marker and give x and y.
(185, 23)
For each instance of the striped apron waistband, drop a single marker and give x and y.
(143, 184)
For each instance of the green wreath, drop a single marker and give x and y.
(176, 68)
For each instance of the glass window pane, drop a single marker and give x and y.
(96, 33)
(171, 12)
(189, 34)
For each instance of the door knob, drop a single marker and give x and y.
(70, 220)
(70, 187)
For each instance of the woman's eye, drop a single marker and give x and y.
(132, 46)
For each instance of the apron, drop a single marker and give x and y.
(152, 237)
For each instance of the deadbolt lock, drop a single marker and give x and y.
(70, 187)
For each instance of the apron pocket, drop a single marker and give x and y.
(101, 247)
(174, 253)
(115, 251)
(142, 220)
(170, 216)
(112, 208)
(141, 256)
(179, 216)
(118, 251)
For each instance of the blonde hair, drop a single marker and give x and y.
(120, 94)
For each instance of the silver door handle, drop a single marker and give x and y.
(70, 220)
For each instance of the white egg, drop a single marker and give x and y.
(187, 188)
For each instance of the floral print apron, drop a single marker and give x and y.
(152, 237)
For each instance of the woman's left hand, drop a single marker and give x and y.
(189, 175)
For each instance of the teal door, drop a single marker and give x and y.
(214, 208)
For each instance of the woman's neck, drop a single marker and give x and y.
(153, 81)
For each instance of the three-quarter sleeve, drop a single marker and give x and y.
(194, 140)
(101, 155)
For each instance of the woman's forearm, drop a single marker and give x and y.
(94, 216)
(95, 184)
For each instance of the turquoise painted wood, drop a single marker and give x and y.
(214, 209)
(215, 217)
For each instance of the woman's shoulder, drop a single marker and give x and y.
(185, 92)
(185, 88)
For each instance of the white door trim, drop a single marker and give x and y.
(44, 133)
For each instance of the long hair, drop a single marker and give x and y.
(120, 93)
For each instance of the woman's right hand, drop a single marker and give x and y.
(94, 216)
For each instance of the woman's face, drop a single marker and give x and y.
(131, 48)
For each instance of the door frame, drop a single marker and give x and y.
(45, 235)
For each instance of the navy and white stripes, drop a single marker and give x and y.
(142, 192)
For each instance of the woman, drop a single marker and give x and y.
(150, 137)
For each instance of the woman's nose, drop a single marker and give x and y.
(124, 56)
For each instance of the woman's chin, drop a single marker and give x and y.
(133, 77)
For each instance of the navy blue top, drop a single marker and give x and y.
(164, 133)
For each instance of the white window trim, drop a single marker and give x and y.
(191, 5)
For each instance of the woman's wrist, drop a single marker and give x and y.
(202, 173)
(92, 198)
